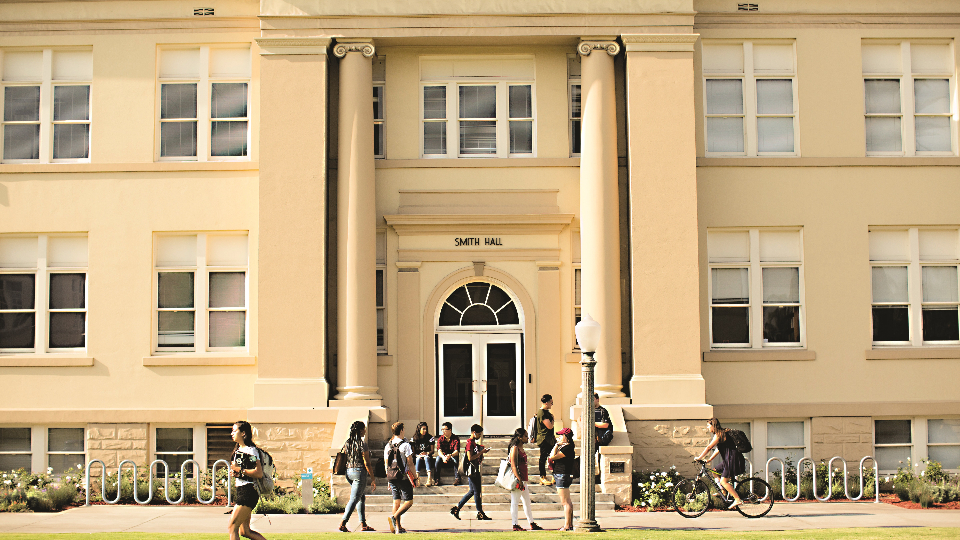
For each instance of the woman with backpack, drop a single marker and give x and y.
(474, 452)
(358, 467)
(518, 463)
(422, 442)
(563, 458)
(245, 467)
(732, 462)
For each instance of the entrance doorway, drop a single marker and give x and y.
(480, 360)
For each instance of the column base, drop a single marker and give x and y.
(362, 393)
(587, 525)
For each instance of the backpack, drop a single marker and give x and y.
(395, 463)
(740, 441)
(532, 428)
(265, 484)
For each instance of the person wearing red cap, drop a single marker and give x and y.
(563, 459)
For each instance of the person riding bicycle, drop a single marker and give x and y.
(732, 460)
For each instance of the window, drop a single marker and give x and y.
(381, 291)
(892, 443)
(750, 98)
(915, 286)
(943, 442)
(201, 292)
(174, 446)
(907, 105)
(65, 449)
(573, 86)
(379, 78)
(786, 440)
(15, 448)
(43, 293)
(756, 288)
(46, 105)
(219, 443)
(485, 104)
(204, 103)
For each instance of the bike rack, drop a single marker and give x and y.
(846, 487)
(166, 481)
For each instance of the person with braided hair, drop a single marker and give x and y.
(358, 468)
(518, 463)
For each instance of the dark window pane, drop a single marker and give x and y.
(479, 315)
(175, 329)
(65, 440)
(378, 103)
(71, 141)
(449, 316)
(731, 325)
(575, 137)
(175, 290)
(892, 431)
(575, 101)
(520, 102)
(175, 463)
(521, 137)
(227, 289)
(13, 462)
(501, 397)
(458, 379)
(941, 324)
(21, 141)
(508, 315)
(478, 137)
(781, 324)
(379, 288)
(380, 341)
(16, 291)
(21, 104)
(178, 139)
(228, 100)
(228, 139)
(67, 330)
(478, 102)
(17, 330)
(458, 299)
(174, 440)
(219, 444)
(891, 323)
(228, 328)
(478, 292)
(71, 103)
(497, 298)
(61, 463)
(178, 101)
(67, 291)
(378, 139)
(15, 440)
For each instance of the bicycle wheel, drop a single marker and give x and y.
(691, 498)
(756, 495)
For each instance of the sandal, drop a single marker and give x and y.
(518, 528)
(366, 528)
(343, 528)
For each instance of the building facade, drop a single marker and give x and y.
(302, 214)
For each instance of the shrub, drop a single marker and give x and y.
(38, 501)
(806, 489)
(290, 503)
(655, 489)
(925, 495)
(934, 473)
(62, 496)
(325, 505)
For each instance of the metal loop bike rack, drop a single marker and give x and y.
(813, 466)
(166, 482)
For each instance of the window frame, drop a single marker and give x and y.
(48, 86)
(502, 117)
(915, 303)
(575, 136)
(41, 300)
(204, 118)
(908, 114)
(749, 78)
(755, 302)
(40, 442)
(761, 429)
(928, 444)
(912, 445)
(49, 452)
(201, 295)
(381, 268)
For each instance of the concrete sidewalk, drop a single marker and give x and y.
(783, 516)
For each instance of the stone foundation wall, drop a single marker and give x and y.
(850, 437)
(113, 443)
(294, 447)
(660, 444)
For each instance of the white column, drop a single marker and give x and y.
(356, 227)
(600, 208)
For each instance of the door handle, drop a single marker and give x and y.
(483, 390)
(475, 386)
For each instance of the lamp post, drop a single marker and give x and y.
(588, 338)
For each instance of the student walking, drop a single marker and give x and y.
(400, 469)
(543, 436)
(358, 467)
(518, 462)
(422, 443)
(563, 458)
(448, 451)
(474, 455)
(245, 467)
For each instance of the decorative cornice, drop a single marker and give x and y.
(273, 46)
(659, 42)
(587, 47)
(363, 47)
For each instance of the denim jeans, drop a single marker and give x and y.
(358, 494)
(453, 462)
(475, 491)
(428, 463)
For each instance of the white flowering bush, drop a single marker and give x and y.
(23, 491)
(653, 490)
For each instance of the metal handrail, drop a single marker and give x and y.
(846, 489)
(166, 481)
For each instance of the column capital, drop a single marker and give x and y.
(287, 45)
(659, 42)
(588, 45)
(363, 47)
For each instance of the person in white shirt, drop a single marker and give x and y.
(402, 485)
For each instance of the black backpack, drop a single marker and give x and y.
(740, 441)
(395, 463)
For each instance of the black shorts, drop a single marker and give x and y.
(246, 495)
(402, 490)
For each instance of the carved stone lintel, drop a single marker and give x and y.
(587, 47)
(364, 48)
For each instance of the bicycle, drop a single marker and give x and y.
(693, 497)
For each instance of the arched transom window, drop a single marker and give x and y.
(479, 304)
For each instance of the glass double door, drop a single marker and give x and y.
(480, 381)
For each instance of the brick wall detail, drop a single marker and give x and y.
(850, 437)
(660, 444)
(294, 447)
(113, 443)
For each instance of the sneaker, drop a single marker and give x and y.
(455, 512)
(400, 530)
(544, 481)
(483, 517)
(518, 528)
(393, 523)
(535, 527)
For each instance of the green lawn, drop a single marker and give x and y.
(632, 534)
